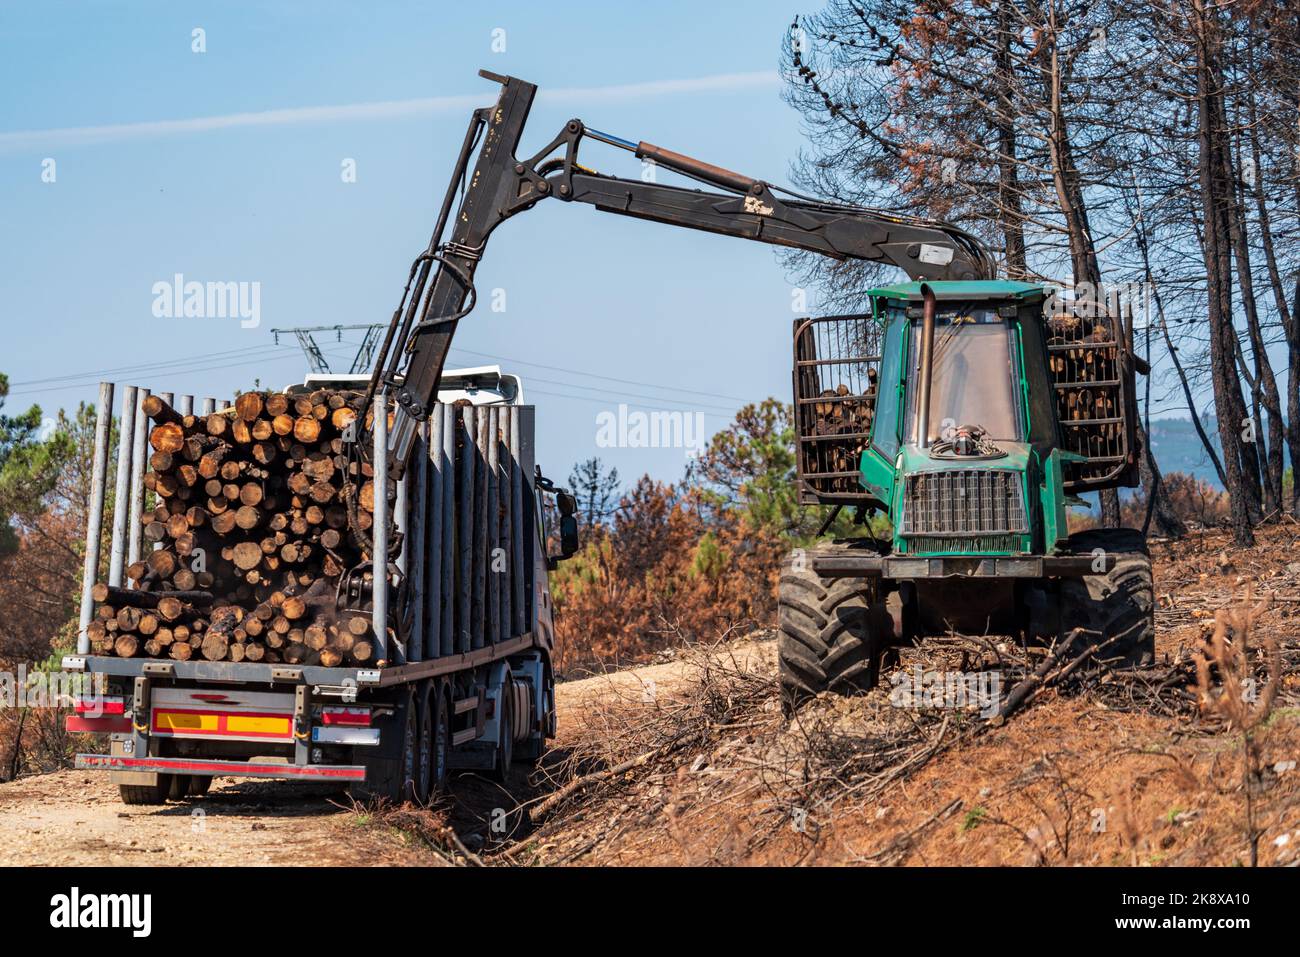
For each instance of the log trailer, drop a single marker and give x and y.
(460, 676)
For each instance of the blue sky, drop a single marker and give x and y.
(663, 315)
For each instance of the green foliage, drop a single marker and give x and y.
(582, 570)
(750, 465)
(710, 559)
(974, 818)
(29, 467)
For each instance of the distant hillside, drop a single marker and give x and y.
(1178, 448)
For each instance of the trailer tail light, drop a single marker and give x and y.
(345, 717)
(344, 725)
(98, 716)
(99, 706)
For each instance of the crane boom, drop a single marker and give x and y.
(501, 185)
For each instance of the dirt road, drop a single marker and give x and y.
(75, 817)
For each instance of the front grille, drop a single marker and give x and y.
(966, 545)
(966, 503)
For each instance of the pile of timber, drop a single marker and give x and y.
(1084, 359)
(250, 533)
(842, 421)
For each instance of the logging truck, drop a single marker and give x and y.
(239, 630)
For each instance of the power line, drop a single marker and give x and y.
(721, 411)
(119, 370)
(178, 365)
(605, 403)
(316, 359)
(89, 383)
(633, 395)
(262, 353)
(593, 375)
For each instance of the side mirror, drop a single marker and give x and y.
(569, 540)
(567, 504)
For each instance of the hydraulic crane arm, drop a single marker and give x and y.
(501, 185)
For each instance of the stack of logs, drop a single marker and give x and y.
(840, 412)
(251, 534)
(1084, 354)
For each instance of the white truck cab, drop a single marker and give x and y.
(480, 385)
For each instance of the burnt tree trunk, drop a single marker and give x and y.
(1009, 204)
(1215, 195)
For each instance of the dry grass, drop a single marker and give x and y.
(1183, 763)
(1229, 689)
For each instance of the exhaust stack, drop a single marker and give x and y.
(927, 368)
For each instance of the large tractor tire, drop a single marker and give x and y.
(1118, 604)
(829, 637)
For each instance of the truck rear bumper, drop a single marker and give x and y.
(865, 564)
(205, 768)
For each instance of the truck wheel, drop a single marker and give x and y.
(147, 793)
(551, 720)
(408, 759)
(423, 784)
(440, 750)
(200, 784)
(533, 747)
(506, 734)
(180, 788)
(828, 638)
(1118, 604)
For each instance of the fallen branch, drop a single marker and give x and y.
(1043, 676)
(587, 780)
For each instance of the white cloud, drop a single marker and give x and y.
(386, 109)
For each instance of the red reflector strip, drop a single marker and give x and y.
(248, 769)
(346, 717)
(97, 725)
(100, 705)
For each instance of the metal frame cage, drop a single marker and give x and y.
(836, 382)
(1088, 357)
